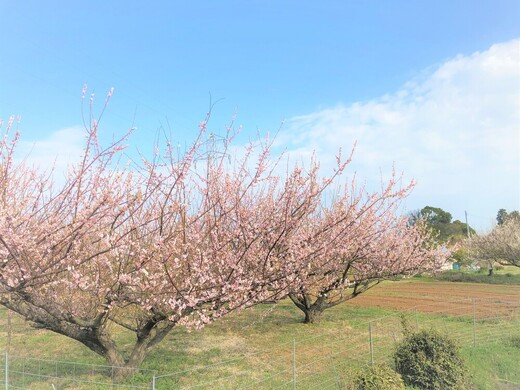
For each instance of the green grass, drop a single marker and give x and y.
(506, 276)
(257, 345)
(507, 269)
(488, 364)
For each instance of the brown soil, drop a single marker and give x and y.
(444, 298)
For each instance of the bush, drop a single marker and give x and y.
(379, 377)
(430, 360)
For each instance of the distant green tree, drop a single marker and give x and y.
(503, 216)
(435, 215)
(440, 222)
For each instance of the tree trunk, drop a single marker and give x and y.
(131, 366)
(312, 315)
(125, 371)
(93, 333)
(121, 367)
(148, 336)
(491, 269)
(312, 310)
(114, 359)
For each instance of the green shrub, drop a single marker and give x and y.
(377, 378)
(430, 360)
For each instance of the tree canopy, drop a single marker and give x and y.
(503, 216)
(501, 245)
(440, 221)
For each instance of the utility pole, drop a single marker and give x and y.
(467, 226)
(467, 232)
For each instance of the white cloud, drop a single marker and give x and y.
(58, 150)
(455, 130)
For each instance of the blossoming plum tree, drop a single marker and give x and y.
(372, 243)
(151, 245)
(178, 239)
(502, 244)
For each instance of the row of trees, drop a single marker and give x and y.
(501, 245)
(182, 239)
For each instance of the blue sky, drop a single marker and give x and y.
(335, 71)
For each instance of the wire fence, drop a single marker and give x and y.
(328, 360)
(332, 360)
(23, 372)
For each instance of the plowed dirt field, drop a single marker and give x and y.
(443, 298)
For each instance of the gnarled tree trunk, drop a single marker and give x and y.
(312, 310)
(93, 333)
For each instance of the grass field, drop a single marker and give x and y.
(254, 348)
(508, 275)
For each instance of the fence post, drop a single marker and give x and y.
(153, 382)
(6, 370)
(112, 376)
(338, 382)
(294, 364)
(371, 345)
(474, 324)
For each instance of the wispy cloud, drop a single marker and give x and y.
(455, 130)
(58, 150)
